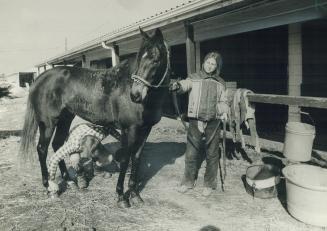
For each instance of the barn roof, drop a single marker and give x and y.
(184, 11)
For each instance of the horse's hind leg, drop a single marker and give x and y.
(46, 133)
(62, 131)
(124, 160)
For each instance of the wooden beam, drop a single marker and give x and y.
(301, 101)
(86, 63)
(190, 49)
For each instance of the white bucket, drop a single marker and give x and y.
(306, 189)
(298, 141)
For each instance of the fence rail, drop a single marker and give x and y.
(301, 101)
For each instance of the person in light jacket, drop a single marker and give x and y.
(206, 108)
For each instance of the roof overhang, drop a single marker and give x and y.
(210, 18)
(193, 9)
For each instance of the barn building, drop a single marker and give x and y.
(269, 46)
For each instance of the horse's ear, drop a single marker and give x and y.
(144, 35)
(158, 34)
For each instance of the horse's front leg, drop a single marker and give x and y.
(135, 197)
(137, 138)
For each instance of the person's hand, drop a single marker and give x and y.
(174, 86)
(224, 116)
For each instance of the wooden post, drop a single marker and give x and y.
(45, 67)
(85, 62)
(115, 55)
(38, 71)
(190, 49)
(294, 68)
(197, 56)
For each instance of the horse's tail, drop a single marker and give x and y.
(27, 146)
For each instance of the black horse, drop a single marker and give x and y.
(128, 96)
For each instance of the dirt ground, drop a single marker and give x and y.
(24, 204)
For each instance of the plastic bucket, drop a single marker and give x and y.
(298, 141)
(306, 189)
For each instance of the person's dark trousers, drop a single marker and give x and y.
(193, 153)
(212, 139)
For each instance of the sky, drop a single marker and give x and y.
(34, 30)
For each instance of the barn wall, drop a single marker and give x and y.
(178, 71)
(101, 63)
(257, 60)
(315, 70)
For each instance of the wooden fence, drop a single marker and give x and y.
(301, 101)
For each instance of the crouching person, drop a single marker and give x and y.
(82, 147)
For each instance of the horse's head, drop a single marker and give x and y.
(152, 66)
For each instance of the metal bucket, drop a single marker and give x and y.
(262, 181)
(299, 140)
(306, 190)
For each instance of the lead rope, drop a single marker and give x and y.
(179, 114)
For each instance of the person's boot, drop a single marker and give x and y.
(184, 188)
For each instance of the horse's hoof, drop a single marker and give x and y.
(72, 185)
(236, 155)
(107, 175)
(45, 183)
(53, 195)
(82, 187)
(123, 204)
(136, 201)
